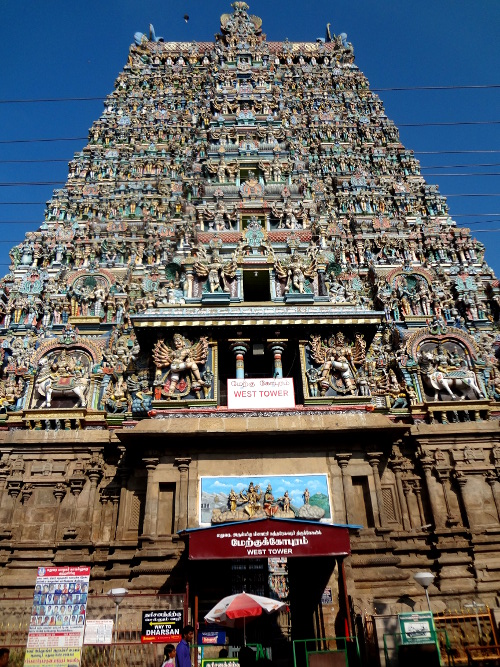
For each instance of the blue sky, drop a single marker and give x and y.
(57, 49)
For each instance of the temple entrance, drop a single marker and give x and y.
(309, 578)
(313, 605)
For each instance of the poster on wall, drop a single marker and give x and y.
(226, 499)
(99, 631)
(57, 620)
(162, 626)
(417, 628)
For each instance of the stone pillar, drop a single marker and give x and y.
(408, 490)
(374, 461)
(240, 347)
(76, 484)
(492, 480)
(462, 479)
(183, 513)
(443, 475)
(103, 527)
(151, 508)
(94, 473)
(343, 461)
(123, 475)
(5, 531)
(277, 347)
(14, 486)
(397, 466)
(190, 283)
(418, 495)
(59, 492)
(437, 515)
(115, 499)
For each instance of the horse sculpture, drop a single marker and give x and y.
(444, 380)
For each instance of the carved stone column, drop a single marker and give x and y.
(103, 528)
(14, 486)
(190, 282)
(5, 531)
(94, 473)
(59, 492)
(183, 466)
(462, 480)
(123, 476)
(26, 492)
(374, 461)
(240, 347)
(408, 490)
(418, 495)
(76, 483)
(492, 479)
(277, 347)
(115, 499)
(437, 515)
(343, 461)
(443, 475)
(151, 508)
(397, 466)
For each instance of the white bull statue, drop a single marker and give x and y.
(62, 386)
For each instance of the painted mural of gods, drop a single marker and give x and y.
(182, 361)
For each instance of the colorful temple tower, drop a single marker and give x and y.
(246, 277)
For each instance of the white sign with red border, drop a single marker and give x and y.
(256, 393)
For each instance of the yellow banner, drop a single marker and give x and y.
(59, 657)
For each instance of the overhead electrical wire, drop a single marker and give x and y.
(177, 126)
(486, 86)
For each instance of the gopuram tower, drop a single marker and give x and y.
(246, 277)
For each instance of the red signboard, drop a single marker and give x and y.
(268, 538)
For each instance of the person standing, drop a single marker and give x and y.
(4, 656)
(183, 655)
(169, 656)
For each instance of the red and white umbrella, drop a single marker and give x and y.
(233, 610)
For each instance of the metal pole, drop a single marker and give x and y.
(116, 634)
(428, 600)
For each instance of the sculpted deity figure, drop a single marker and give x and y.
(442, 374)
(232, 500)
(270, 505)
(252, 499)
(216, 270)
(335, 359)
(63, 373)
(184, 358)
(295, 272)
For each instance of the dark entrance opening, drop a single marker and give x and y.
(307, 616)
(256, 285)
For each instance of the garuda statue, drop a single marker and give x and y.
(183, 362)
(216, 270)
(298, 272)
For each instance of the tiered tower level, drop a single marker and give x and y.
(246, 208)
(245, 172)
